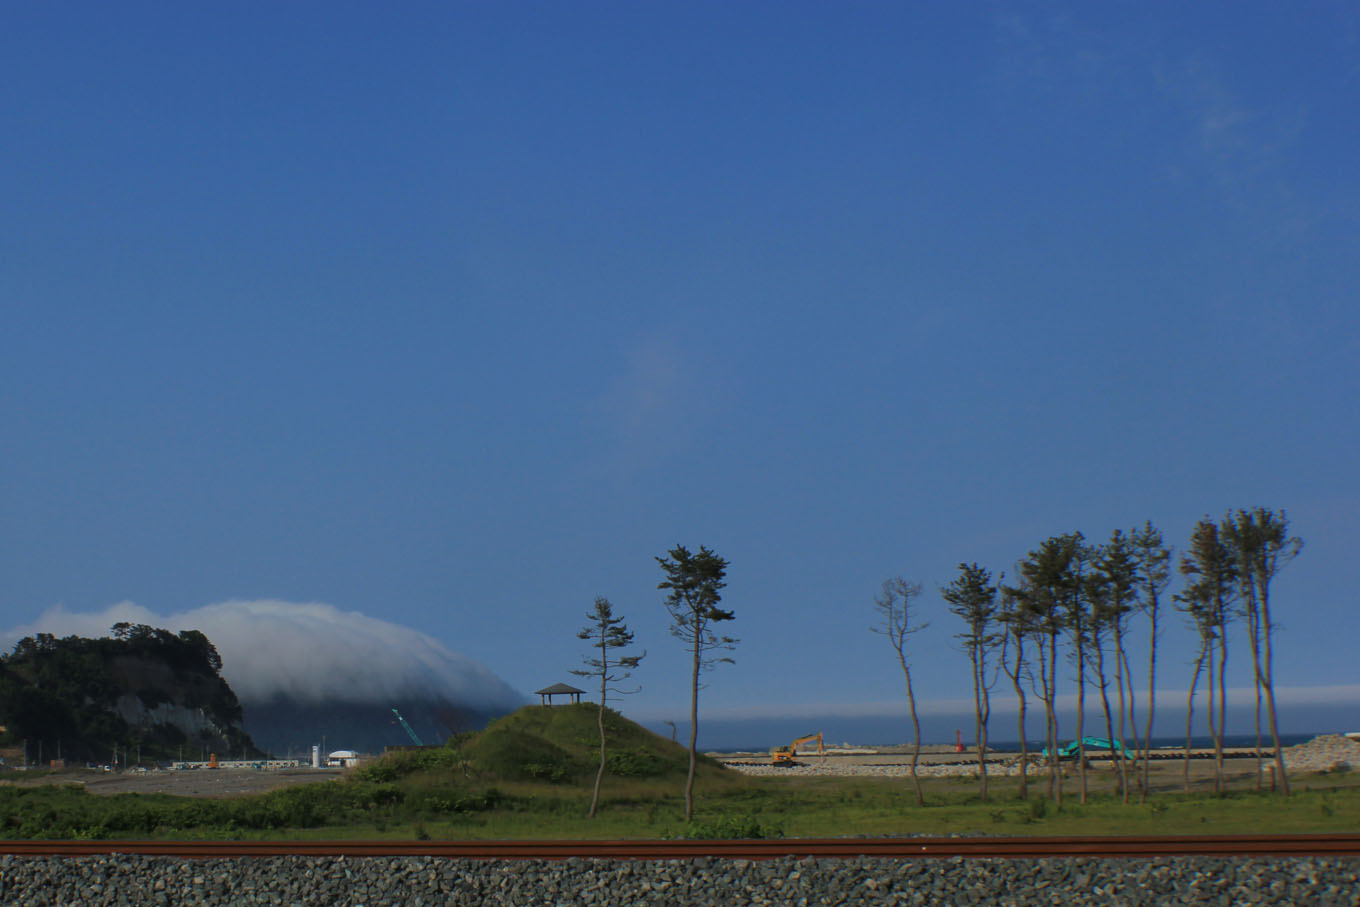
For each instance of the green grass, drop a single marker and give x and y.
(529, 776)
(765, 807)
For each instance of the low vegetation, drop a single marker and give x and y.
(530, 775)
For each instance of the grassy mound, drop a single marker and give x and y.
(561, 744)
(552, 744)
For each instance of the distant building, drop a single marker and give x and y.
(343, 759)
(546, 694)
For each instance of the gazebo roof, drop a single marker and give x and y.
(557, 688)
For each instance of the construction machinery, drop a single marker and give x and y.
(788, 755)
(1092, 745)
(407, 728)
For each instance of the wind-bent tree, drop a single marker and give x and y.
(1078, 619)
(606, 633)
(1015, 630)
(972, 597)
(1262, 547)
(1192, 602)
(1212, 576)
(1100, 630)
(695, 582)
(1153, 558)
(1042, 592)
(894, 608)
(1117, 567)
(1241, 538)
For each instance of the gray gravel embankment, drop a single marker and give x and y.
(374, 881)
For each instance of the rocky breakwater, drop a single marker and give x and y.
(833, 767)
(1324, 753)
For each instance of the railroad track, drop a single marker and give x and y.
(844, 848)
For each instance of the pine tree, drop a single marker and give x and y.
(1212, 575)
(894, 608)
(1262, 545)
(695, 582)
(1153, 557)
(606, 633)
(972, 597)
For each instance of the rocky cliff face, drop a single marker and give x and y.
(143, 689)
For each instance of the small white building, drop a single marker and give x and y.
(343, 759)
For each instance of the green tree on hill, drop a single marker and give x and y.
(606, 632)
(695, 582)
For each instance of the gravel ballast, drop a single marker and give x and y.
(375, 881)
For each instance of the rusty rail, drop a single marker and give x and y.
(891, 848)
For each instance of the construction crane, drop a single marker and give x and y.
(407, 728)
(786, 755)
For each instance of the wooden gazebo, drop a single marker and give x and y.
(546, 694)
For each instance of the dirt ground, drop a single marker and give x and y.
(1166, 775)
(223, 782)
(190, 783)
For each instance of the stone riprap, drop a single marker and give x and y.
(813, 767)
(382, 881)
(1325, 753)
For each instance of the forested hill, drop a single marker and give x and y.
(142, 690)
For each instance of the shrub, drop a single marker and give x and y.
(729, 827)
(633, 764)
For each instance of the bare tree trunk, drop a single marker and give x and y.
(1152, 702)
(915, 731)
(693, 732)
(1020, 696)
(1190, 711)
(1105, 704)
(599, 775)
(1024, 747)
(979, 726)
(1219, 778)
(1125, 708)
(1081, 717)
(1254, 627)
(1268, 681)
(1260, 760)
(1050, 753)
(1213, 717)
(1050, 706)
(982, 741)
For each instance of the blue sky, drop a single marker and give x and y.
(458, 315)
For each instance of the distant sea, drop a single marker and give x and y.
(1013, 746)
(1298, 724)
(1229, 740)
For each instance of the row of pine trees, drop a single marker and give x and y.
(1071, 601)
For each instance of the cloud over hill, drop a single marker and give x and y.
(307, 652)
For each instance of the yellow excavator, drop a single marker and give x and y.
(788, 755)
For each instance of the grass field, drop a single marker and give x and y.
(529, 775)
